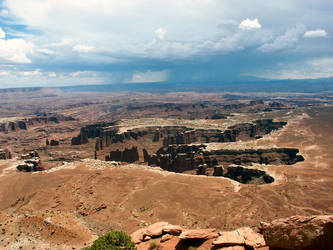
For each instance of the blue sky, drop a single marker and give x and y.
(68, 42)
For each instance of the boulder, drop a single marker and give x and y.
(229, 239)
(172, 229)
(137, 236)
(198, 234)
(252, 238)
(299, 232)
(156, 229)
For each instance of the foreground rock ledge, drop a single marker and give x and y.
(300, 232)
(297, 232)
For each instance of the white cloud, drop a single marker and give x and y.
(160, 33)
(15, 50)
(249, 24)
(149, 76)
(83, 48)
(122, 31)
(4, 73)
(36, 72)
(46, 51)
(2, 34)
(4, 13)
(315, 33)
(52, 74)
(288, 40)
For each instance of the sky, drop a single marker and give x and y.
(76, 42)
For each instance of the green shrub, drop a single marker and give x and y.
(115, 240)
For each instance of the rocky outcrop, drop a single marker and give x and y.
(275, 156)
(31, 165)
(5, 154)
(182, 158)
(244, 131)
(183, 238)
(128, 155)
(155, 230)
(299, 232)
(31, 162)
(107, 133)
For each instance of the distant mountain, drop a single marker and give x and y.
(260, 85)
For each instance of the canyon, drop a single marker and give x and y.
(74, 166)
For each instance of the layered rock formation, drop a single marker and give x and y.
(5, 154)
(107, 134)
(23, 124)
(128, 155)
(182, 158)
(244, 131)
(92, 131)
(298, 232)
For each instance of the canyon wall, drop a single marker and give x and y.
(182, 158)
(23, 124)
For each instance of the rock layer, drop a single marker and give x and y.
(181, 158)
(107, 133)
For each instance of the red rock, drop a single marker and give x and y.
(229, 239)
(138, 235)
(198, 234)
(252, 239)
(173, 229)
(300, 232)
(156, 229)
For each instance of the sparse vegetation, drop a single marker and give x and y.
(113, 241)
(154, 245)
